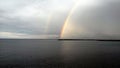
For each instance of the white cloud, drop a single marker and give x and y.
(25, 36)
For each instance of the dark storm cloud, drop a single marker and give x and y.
(101, 21)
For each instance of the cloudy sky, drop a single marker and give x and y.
(51, 19)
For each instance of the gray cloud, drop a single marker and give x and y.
(101, 21)
(31, 17)
(45, 19)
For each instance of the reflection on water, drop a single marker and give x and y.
(54, 52)
(67, 50)
(90, 53)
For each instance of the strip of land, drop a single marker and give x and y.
(89, 39)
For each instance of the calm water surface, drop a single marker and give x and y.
(62, 54)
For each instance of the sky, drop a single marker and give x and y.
(66, 19)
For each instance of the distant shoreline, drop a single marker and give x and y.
(69, 39)
(88, 40)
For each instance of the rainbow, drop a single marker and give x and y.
(68, 18)
(48, 22)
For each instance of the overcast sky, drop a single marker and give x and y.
(44, 19)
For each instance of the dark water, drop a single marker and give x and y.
(59, 54)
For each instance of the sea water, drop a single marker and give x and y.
(56, 53)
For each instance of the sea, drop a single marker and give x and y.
(39, 53)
